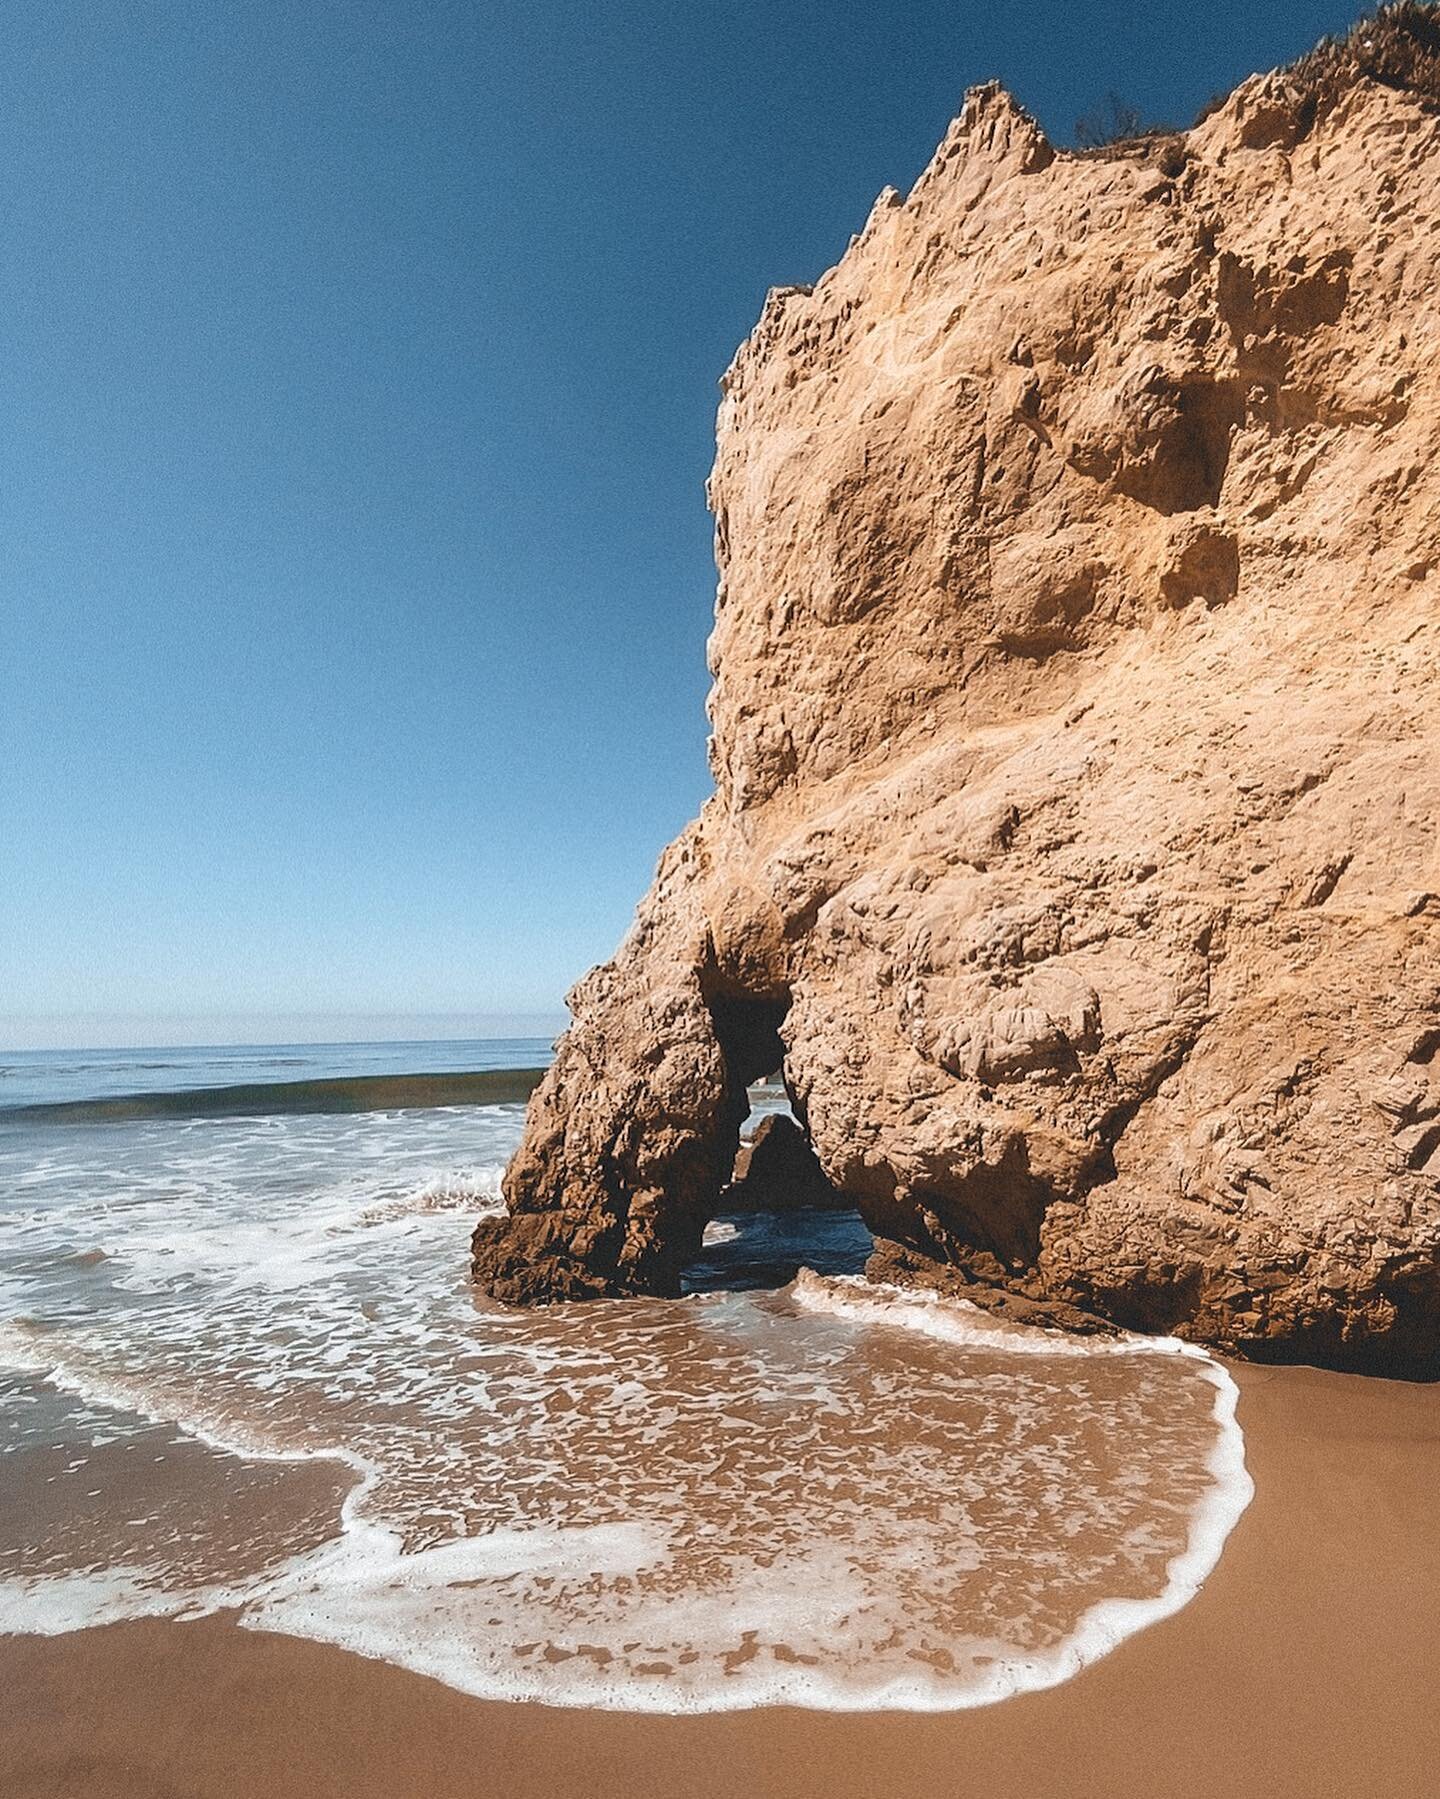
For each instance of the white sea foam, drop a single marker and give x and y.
(959, 1321)
(53, 1605)
(687, 1506)
(473, 1191)
(1110, 1621)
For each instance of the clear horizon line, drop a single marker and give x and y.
(36, 1033)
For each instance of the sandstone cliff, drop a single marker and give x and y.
(1076, 742)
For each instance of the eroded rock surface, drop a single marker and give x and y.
(1076, 742)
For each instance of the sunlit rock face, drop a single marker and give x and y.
(1076, 742)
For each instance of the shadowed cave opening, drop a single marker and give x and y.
(1187, 467)
(778, 1213)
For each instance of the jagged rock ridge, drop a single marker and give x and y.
(1076, 743)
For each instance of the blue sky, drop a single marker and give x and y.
(358, 399)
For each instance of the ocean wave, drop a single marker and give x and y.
(476, 1191)
(260, 1099)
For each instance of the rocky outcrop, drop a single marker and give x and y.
(778, 1171)
(1076, 741)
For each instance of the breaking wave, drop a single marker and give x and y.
(265, 1099)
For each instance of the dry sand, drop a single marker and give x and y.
(1308, 1667)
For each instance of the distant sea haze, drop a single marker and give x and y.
(312, 1030)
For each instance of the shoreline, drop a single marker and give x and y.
(1304, 1667)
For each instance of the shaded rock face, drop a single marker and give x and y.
(1076, 743)
(778, 1171)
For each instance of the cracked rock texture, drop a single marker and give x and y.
(1076, 743)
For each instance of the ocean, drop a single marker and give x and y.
(242, 1371)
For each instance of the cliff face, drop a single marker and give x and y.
(1076, 742)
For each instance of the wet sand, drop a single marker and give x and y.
(1309, 1666)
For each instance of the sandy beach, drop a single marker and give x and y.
(1306, 1668)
